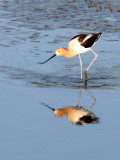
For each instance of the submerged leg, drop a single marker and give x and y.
(80, 64)
(90, 63)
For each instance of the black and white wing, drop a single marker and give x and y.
(87, 40)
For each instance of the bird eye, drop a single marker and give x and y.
(58, 51)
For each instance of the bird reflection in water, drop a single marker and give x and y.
(77, 115)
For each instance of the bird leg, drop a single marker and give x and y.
(94, 99)
(91, 63)
(79, 98)
(86, 75)
(80, 64)
(85, 83)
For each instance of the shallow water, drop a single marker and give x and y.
(29, 130)
(30, 33)
(61, 71)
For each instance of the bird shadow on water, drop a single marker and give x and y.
(77, 114)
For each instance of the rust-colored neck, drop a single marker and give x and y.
(61, 111)
(67, 53)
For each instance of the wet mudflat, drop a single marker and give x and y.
(30, 33)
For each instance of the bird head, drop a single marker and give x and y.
(60, 51)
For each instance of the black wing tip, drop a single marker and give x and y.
(99, 33)
(91, 40)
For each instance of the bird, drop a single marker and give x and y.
(78, 44)
(76, 115)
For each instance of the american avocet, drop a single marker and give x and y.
(77, 114)
(77, 45)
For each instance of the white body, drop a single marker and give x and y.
(75, 45)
